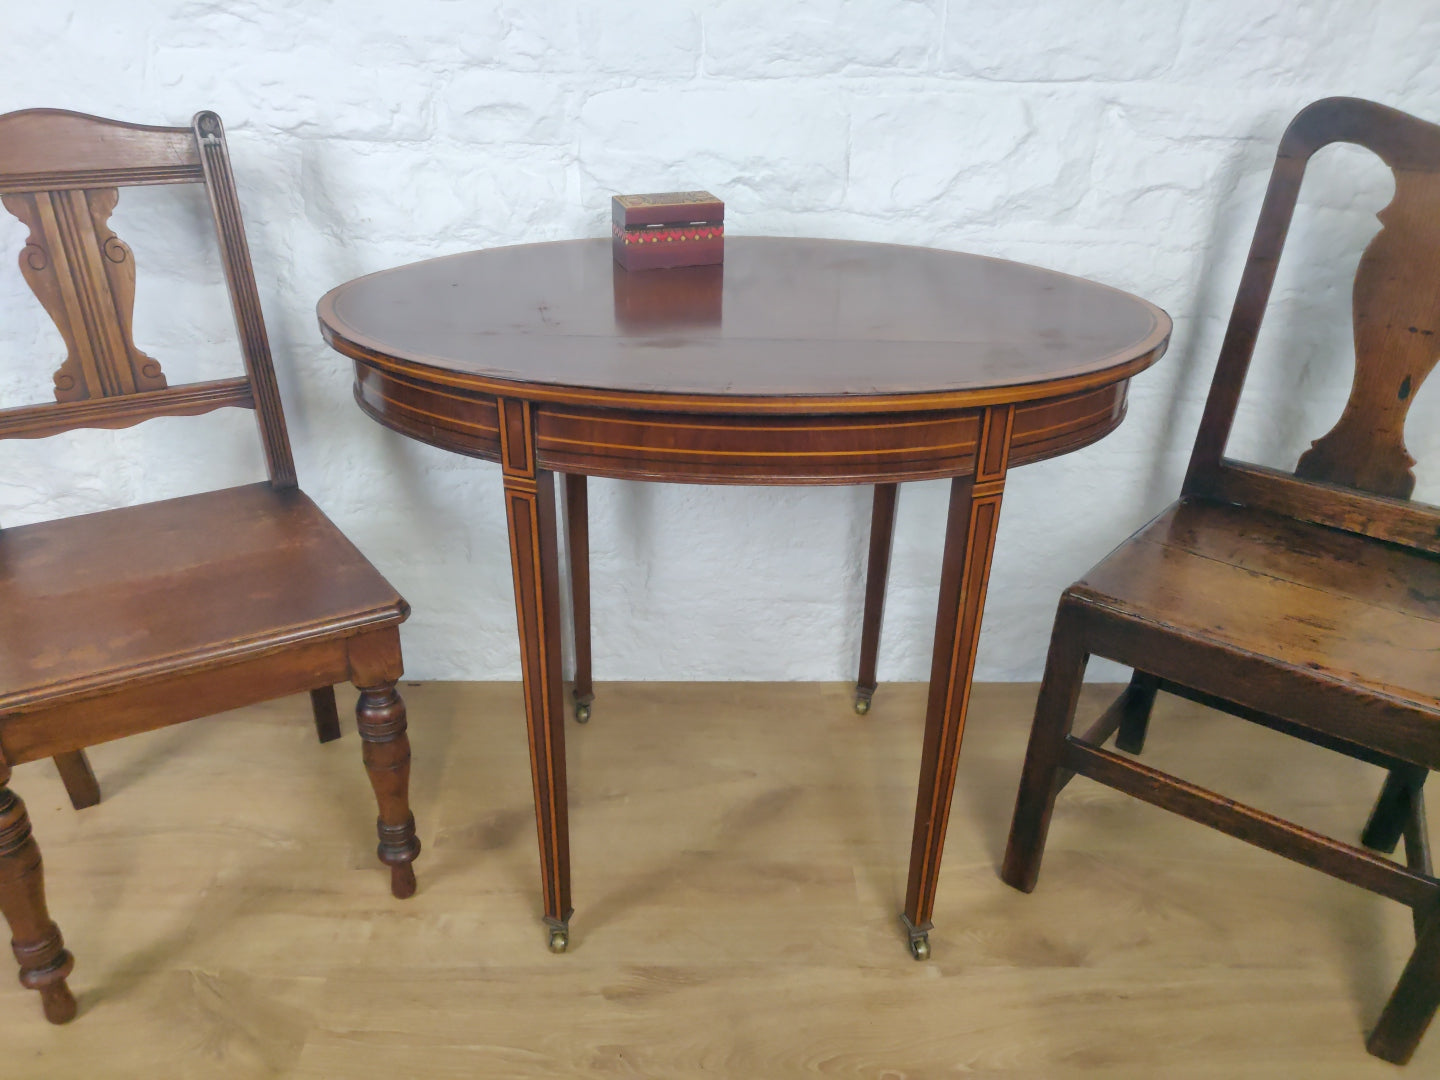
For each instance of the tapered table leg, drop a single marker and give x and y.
(969, 544)
(882, 533)
(534, 559)
(577, 535)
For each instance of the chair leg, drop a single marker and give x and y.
(1135, 719)
(1414, 1000)
(44, 962)
(327, 714)
(78, 778)
(882, 534)
(577, 542)
(1039, 782)
(380, 718)
(1392, 809)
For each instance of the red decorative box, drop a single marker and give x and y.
(677, 228)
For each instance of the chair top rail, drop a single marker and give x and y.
(58, 150)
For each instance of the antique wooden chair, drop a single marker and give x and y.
(1307, 603)
(131, 619)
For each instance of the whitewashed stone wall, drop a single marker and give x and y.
(1125, 141)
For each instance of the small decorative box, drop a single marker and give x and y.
(677, 228)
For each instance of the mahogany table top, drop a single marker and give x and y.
(791, 318)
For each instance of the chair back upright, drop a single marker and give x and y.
(1358, 476)
(60, 174)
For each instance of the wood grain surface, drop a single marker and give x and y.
(741, 848)
(857, 320)
(301, 578)
(1318, 600)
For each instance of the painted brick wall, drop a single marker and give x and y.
(1123, 141)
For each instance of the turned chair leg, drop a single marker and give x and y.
(78, 778)
(44, 962)
(1392, 808)
(380, 718)
(1135, 715)
(327, 715)
(1042, 777)
(1414, 1000)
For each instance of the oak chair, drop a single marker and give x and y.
(1306, 603)
(123, 621)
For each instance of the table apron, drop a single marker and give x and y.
(718, 448)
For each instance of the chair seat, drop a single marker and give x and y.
(1315, 600)
(161, 587)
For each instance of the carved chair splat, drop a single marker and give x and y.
(1305, 603)
(126, 620)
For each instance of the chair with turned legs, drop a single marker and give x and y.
(122, 621)
(1308, 603)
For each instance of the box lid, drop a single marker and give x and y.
(667, 208)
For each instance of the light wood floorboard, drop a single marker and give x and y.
(739, 860)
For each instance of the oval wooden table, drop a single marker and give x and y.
(795, 362)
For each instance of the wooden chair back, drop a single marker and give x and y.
(60, 174)
(1358, 476)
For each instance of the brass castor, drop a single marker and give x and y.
(582, 712)
(920, 947)
(559, 938)
(862, 706)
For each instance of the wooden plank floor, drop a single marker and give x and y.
(739, 859)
